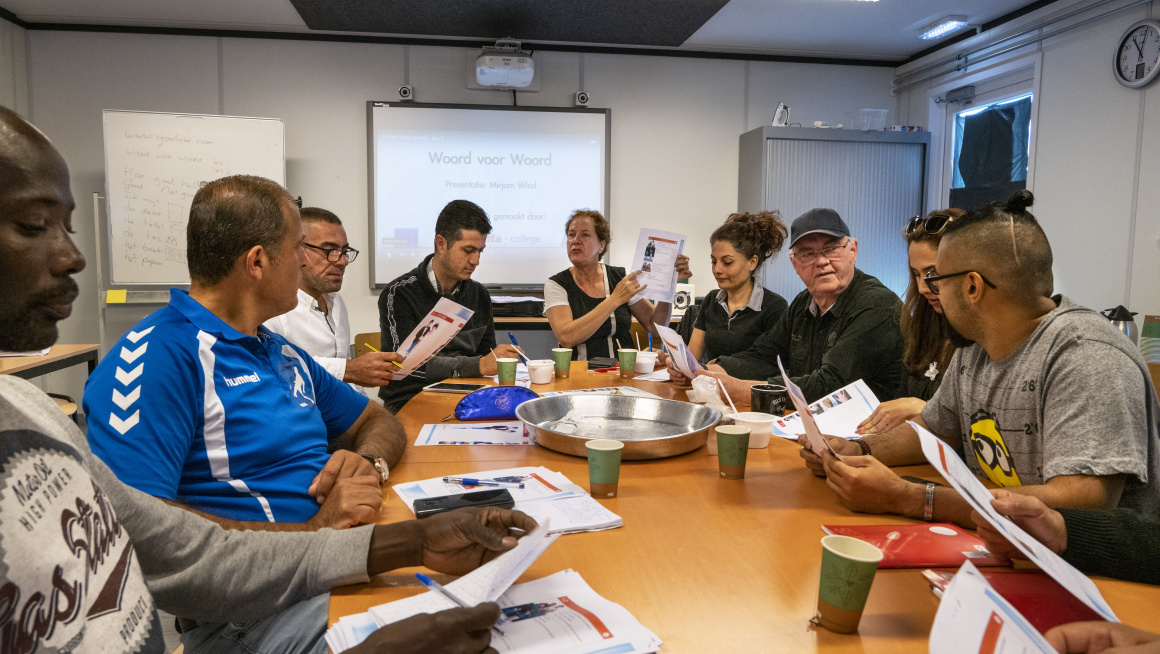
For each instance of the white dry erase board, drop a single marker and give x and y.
(155, 163)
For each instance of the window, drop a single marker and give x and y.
(990, 152)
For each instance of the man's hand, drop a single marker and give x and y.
(814, 462)
(454, 631)
(342, 464)
(1045, 524)
(1099, 636)
(458, 542)
(864, 485)
(487, 365)
(889, 415)
(682, 268)
(352, 501)
(372, 369)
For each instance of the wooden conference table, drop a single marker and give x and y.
(707, 564)
(59, 357)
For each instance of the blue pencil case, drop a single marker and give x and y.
(493, 403)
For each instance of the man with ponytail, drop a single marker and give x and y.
(1042, 397)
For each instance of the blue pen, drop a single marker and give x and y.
(517, 346)
(650, 341)
(467, 481)
(513, 337)
(438, 588)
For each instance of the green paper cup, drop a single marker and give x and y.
(732, 450)
(562, 357)
(848, 567)
(627, 363)
(507, 371)
(604, 466)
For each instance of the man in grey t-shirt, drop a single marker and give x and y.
(1043, 397)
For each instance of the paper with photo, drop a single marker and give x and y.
(433, 332)
(475, 433)
(972, 618)
(837, 414)
(951, 467)
(656, 258)
(818, 443)
(683, 360)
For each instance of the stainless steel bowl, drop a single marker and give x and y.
(650, 428)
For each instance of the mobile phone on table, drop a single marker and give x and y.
(454, 387)
(429, 506)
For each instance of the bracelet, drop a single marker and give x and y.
(928, 505)
(864, 445)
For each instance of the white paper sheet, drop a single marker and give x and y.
(846, 408)
(661, 375)
(475, 433)
(38, 353)
(683, 359)
(606, 390)
(952, 468)
(539, 484)
(817, 442)
(656, 258)
(432, 333)
(572, 514)
(973, 619)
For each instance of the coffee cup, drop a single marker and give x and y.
(627, 363)
(506, 371)
(732, 450)
(604, 466)
(768, 398)
(848, 568)
(562, 360)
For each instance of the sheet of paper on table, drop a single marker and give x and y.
(837, 414)
(433, 332)
(683, 359)
(38, 353)
(661, 375)
(656, 258)
(475, 433)
(606, 390)
(817, 442)
(951, 467)
(972, 618)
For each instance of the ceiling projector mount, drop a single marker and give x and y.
(504, 66)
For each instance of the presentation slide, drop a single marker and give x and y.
(529, 169)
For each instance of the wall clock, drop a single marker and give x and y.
(1138, 54)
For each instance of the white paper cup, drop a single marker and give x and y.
(541, 371)
(645, 362)
(760, 427)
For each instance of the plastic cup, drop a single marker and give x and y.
(627, 363)
(604, 466)
(540, 371)
(562, 358)
(848, 568)
(646, 362)
(507, 371)
(768, 398)
(732, 450)
(760, 427)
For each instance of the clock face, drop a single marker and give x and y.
(1138, 56)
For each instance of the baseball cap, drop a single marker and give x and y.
(817, 221)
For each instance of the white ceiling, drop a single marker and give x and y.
(886, 29)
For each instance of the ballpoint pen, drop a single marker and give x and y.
(517, 347)
(438, 588)
(467, 481)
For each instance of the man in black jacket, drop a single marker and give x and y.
(460, 237)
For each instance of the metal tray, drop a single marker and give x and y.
(650, 428)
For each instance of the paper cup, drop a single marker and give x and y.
(768, 398)
(848, 568)
(645, 362)
(541, 371)
(562, 358)
(760, 427)
(732, 450)
(627, 363)
(604, 467)
(507, 370)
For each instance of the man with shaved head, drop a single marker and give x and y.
(1043, 397)
(85, 560)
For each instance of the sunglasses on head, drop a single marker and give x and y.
(930, 225)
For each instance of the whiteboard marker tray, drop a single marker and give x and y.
(650, 428)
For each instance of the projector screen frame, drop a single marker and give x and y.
(372, 228)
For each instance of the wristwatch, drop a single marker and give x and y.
(379, 464)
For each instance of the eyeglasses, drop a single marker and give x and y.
(810, 256)
(932, 279)
(334, 255)
(930, 225)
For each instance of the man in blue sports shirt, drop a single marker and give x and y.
(201, 406)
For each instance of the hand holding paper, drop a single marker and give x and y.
(817, 442)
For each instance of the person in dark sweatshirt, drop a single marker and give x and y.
(460, 238)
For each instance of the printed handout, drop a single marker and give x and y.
(683, 359)
(656, 258)
(973, 619)
(432, 333)
(475, 433)
(837, 414)
(818, 443)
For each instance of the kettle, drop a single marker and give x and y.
(1122, 320)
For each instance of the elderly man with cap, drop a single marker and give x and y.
(842, 328)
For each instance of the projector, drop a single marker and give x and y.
(505, 65)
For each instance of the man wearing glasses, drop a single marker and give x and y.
(842, 328)
(319, 323)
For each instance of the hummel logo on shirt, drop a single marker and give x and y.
(242, 379)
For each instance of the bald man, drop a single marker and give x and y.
(1043, 397)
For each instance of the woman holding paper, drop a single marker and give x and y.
(928, 347)
(589, 305)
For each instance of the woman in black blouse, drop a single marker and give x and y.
(924, 329)
(740, 309)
